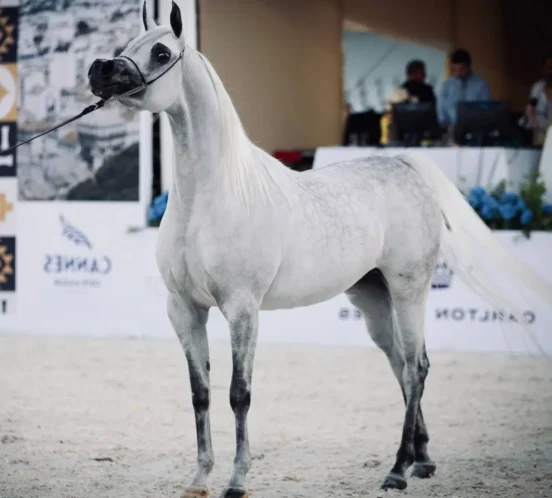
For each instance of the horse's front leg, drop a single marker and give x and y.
(189, 322)
(243, 320)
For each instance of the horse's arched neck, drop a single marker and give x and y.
(211, 149)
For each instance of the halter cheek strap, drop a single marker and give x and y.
(144, 81)
(102, 103)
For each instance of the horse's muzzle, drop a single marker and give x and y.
(112, 77)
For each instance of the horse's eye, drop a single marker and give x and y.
(163, 57)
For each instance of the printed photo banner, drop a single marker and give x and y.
(96, 158)
(9, 19)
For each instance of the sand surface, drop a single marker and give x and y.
(325, 422)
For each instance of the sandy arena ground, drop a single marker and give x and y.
(325, 422)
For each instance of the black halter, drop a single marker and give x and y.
(103, 103)
(144, 82)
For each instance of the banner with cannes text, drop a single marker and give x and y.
(98, 167)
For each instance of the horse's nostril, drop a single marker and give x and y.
(94, 68)
(107, 68)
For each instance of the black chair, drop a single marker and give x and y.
(363, 129)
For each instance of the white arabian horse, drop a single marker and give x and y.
(244, 233)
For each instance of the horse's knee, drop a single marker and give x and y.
(201, 395)
(201, 398)
(240, 395)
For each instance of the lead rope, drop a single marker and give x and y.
(101, 103)
(87, 110)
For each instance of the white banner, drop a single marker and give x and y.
(467, 167)
(81, 273)
(78, 271)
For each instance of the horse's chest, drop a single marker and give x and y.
(182, 267)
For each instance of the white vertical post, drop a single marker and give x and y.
(145, 160)
(546, 165)
(189, 19)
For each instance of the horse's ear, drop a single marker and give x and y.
(146, 18)
(176, 20)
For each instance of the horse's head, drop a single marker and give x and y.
(150, 62)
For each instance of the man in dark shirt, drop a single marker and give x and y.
(414, 90)
(415, 84)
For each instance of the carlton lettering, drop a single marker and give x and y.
(479, 315)
(58, 263)
(349, 314)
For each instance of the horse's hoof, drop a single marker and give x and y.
(423, 470)
(235, 493)
(394, 481)
(194, 492)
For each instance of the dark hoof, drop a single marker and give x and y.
(394, 481)
(423, 470)
(235, 493)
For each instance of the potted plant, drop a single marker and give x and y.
(504, 210)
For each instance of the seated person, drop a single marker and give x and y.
(418, 90)
(414, 90)
(462, 86)
(538, 113)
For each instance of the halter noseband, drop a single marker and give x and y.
(103, 103)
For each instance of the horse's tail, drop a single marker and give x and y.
(468, 245)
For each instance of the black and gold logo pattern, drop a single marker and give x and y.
(7, 264)
(8, 34)
(9, 87)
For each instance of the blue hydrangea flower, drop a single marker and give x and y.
(521, 205)
(526, 217)
(158, 206)
(487, 212)
(474, 201)
(161, 199)
(155, 213)
(547, 209)
(509, 198)
(477, 192)
(507, 211)
(489, 201)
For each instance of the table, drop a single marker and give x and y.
(467, 167)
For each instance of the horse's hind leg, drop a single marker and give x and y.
(409, 297)
(371, 296)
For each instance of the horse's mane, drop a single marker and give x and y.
(247, 171)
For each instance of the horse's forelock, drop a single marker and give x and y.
(148, 39)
